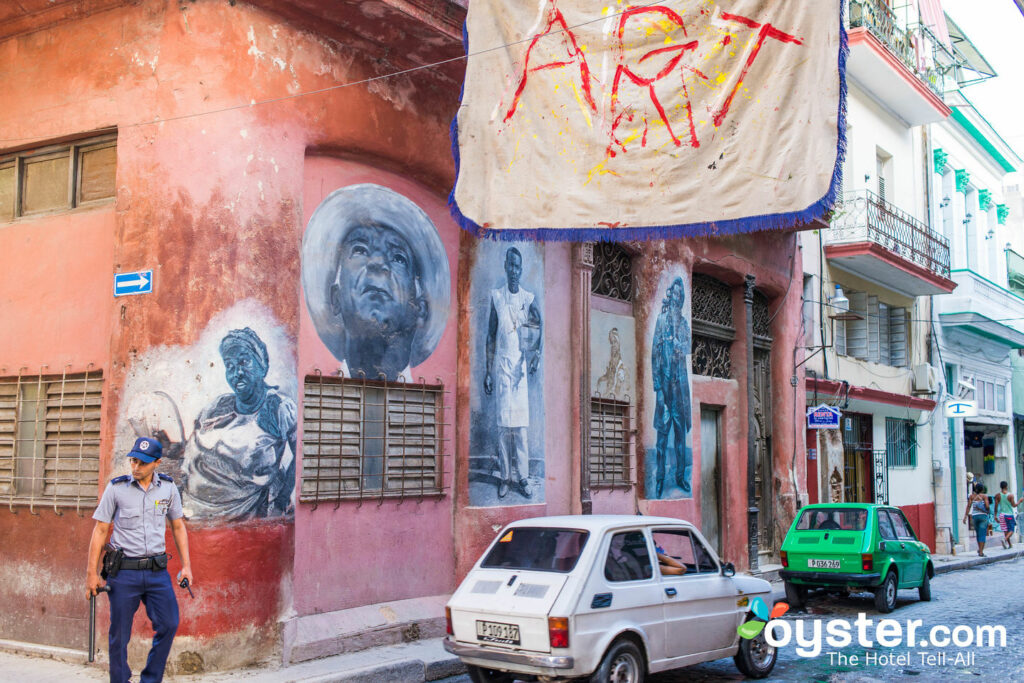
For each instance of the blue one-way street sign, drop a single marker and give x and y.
(140, 282)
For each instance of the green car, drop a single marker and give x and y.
(856, 546)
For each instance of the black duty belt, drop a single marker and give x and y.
(154, 562)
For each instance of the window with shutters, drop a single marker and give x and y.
(364, 439)
(610, 443)
(50, 439)
(900, 443)
(58, 177)
(880, 336)
(713, 328)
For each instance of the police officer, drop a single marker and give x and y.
(135, 506)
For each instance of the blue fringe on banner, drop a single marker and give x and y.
(736, 226)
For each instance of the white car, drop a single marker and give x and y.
(614, 597)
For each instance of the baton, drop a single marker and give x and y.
(92, 622)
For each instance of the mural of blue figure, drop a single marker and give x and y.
(670, 373)
(376, 281)
(513, 350)
(240, 459)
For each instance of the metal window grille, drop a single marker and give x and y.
(900, 444)
(713, 330)
(50, 440)
(366, 439)
(613, 272)
(610, 442)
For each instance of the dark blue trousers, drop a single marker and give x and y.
(155, 591)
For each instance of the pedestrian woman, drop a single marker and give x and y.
(977, 511)
(1005, 504)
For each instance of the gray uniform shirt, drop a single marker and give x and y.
(139, 516)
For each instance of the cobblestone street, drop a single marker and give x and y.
(988, 595)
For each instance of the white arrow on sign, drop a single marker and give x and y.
(140, 281)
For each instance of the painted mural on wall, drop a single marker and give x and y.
(506, 394)
(612, 356)
(376, 281)
(669, 463)
(225, 411)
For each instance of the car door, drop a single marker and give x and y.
(700, 605)
(903, 550)
(621, 592)
(916, 557)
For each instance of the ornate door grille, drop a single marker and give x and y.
(713, 327)
(613, 272)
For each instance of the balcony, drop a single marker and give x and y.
(1015, 272)
(901, 67)
(981, 308)
(875, 241)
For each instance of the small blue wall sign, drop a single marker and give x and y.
(140, 282)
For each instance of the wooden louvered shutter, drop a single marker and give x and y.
(899, 337)
(857, 330)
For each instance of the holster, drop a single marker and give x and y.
(111, 561)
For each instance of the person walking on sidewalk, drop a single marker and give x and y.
(1005, 508)
(977, 511)
(133, 510)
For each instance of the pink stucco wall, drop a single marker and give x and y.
(354, 554)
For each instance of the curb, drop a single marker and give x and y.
(407, 670)
(60, 654)
(976, 562)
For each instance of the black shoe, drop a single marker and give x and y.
(524, 487)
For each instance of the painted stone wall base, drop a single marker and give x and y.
(360, 628)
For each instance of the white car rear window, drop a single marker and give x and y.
(537, 549)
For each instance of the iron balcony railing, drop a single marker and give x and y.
(911, 42)
(864, 216)
(881, 21)
(1015, 272)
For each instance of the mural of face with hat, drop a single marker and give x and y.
(376, 280)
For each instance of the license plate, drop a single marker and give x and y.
(494, 632)
(823, 564)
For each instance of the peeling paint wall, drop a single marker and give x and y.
(211, 157)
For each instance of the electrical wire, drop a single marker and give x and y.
(393, 74)
(913, 320)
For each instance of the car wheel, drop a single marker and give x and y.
(623, 663)
(796, 595)
(924, 591)
(478, 674)
(755, 658)
(885, 595)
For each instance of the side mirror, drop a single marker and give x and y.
(728, 569)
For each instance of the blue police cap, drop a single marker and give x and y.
(146, 450)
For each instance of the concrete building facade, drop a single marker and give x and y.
(299, 320)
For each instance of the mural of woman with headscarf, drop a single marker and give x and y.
(239, 461)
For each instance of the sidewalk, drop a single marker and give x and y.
(425, 660)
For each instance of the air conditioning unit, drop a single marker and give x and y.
(926, 379)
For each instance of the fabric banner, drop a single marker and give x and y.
(581, 120)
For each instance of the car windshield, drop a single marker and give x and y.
(537, 548)
(849, 519)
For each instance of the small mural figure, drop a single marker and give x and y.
(240, 459)
(376, 281)
(513, 350)
(670, 374)
(614, 382)
(835, 483)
